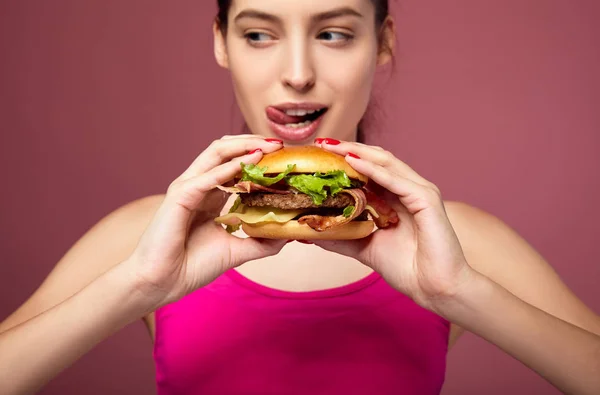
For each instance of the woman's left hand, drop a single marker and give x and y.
(421, 255)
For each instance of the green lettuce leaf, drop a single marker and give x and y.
(348, 211)
(251, 172)
(236, 205)
(319, 185)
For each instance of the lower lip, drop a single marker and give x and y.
(295, 134)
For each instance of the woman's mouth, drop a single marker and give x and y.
(295, 123)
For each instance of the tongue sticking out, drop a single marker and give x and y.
(282, 118)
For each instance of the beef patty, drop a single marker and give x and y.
(294, 201)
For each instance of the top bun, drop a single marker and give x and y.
(308, 159)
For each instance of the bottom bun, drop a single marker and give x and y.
(293, 230)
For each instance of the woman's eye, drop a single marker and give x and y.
(334, 36)
(257, 37)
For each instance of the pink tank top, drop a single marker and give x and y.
(235, 336)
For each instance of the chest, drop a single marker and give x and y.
(226, 340)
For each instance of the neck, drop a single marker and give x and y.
(301, 267)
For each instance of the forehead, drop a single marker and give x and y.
(301, 9)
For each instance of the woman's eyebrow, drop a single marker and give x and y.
(256, 14)
(336, 13)
(322, 16)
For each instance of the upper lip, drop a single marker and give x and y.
(299, 106)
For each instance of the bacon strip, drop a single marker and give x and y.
(383, 216)
(249, 186)
(386, 215)
(321, 223)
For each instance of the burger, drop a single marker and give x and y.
(304, 193)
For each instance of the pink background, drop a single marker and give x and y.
(105, 101)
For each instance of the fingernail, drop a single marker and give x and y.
(350, 154)
(305, 242)
(331, 141)
(254, 151)
(276, 141)
(319, 140)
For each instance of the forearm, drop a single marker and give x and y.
(35, 351)
(566, 355)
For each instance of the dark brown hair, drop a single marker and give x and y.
(381, 12)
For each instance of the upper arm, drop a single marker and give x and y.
(494, 249)
(107, 243)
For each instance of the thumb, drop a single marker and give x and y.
(248, 249)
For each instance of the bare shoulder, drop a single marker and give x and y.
(492, 246)
(469, 220)
(499, 252)
(108, 242)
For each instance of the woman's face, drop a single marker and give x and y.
(302, 69)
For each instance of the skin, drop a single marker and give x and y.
(453, 259)
(299, 59)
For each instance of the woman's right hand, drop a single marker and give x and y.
(183, 248)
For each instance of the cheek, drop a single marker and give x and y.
(250, 72)
(252, 75)
(352, 85)
(351, 73)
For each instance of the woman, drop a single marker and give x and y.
(233, 315)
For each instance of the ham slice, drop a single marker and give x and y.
(249, 186)
(321, 223)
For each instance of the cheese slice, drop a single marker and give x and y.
(253, 215)
(372, 210)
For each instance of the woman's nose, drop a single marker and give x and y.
(299, 73)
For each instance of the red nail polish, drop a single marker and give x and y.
(254, 151)
(350, 154)
(331, 141)
(305, 242)
(319, 140)
(276, 141)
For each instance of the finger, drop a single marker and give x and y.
(319, 142)
(415, 197)
(237, 136)
(248, 249)
(184, 197)
(190, 192)
(212, 205)
(376, 155)
(222, 150)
